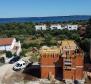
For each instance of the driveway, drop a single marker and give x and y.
(8, 76)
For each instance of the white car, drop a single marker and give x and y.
(19, 65)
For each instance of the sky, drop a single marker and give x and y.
(40, 8)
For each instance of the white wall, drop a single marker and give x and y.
(13, 43)
(19, 49)
(72, 27)
(37, 27)
(16, 50)
(7, 48)
(40, 27)
(11, 47)
(55, 27)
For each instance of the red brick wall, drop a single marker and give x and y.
(50, 61)
(79, 60)
(67, 74)
(46, 70)
(74, 74)
(77, 68)
(79, 74)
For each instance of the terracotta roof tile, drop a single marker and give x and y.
(6, 41)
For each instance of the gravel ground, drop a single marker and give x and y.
(8, 76)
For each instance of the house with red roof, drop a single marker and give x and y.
(10, 44)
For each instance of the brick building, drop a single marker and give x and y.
(73, 60)
(65, 61)
(50, 62)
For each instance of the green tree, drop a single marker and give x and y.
(8, 54)
(48, 38)
(75, 37)
(88, 29)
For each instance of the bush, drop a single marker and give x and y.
(75, 37)
(8, 54)
(26, 46)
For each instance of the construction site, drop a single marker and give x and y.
(64, 62)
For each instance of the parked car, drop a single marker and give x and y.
(14, 59)
(19, 65)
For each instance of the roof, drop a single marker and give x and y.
(6, 41)
(55, 24)
(68, 44)
(40, 25)
(50, 50)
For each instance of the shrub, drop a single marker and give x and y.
(8, 54)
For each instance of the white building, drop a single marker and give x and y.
(56, 26)
(72, 27)
(10, 44)
(41, 27)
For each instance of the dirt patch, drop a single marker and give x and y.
(8, 76)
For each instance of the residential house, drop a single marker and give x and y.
(10, 44)
(40, 27)
(56, 26)
(71, 27)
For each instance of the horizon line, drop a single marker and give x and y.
(44, 16)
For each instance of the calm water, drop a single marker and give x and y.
(45, 19)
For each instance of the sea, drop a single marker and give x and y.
(46, 19)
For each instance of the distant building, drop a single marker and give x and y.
(10, 44)
(71, 27)
(55, 26)
(41, 27)
(65, 61)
